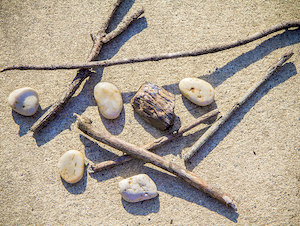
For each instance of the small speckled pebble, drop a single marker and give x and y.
(109, 100)
(137, 188)
(25, 101)
(197, 91)
(71, 166)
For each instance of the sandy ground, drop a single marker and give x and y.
(254, 156)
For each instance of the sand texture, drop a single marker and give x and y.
(254, 156)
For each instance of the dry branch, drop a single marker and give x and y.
(236, 106)
(198, 52)
(85, 126)
(98, 41)
(155, 144)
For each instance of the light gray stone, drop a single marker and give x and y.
(138, 188)
(24, 101)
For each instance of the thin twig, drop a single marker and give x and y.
(123, 25)
(198, 52)
(101, 38)
(236, 106)
(155, 144)
(140, 153)
(98, 41)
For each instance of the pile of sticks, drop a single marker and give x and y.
(143, 153)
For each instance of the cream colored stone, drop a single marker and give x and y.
(25, 101)
(197, 91)
(71, 166)
(109, 100)
(137, 188)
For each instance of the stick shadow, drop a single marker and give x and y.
(26, 122)
(284, 39)
(78, 104)
(287, 71)
(171, 185)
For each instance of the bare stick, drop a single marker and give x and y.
(98, 40)
(236, 106)
(58, 105)
(101, 38)
(155, 144)
(85, 126)
(123, 25)
(198, 52)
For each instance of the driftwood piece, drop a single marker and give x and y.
(197, 52)
(155, 105)
(98, 41)
(236, 106)
(85, 126)
(155, 144)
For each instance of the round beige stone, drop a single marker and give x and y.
(71, 166)
(24, 101)
(109, 100)
(197, 91)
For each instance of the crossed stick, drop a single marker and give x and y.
(85, 125)
(101, 38)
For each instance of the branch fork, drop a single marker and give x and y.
(101, 38)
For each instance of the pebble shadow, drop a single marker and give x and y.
(77, 188)
(177, 188)
(114, 126)
(25, 122)
(142, 208)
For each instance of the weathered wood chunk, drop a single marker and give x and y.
(155, 105)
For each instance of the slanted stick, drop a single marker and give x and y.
(85, 126)
(155, 144)
(236, 106)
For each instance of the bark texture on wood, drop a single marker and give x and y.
(155, 105)
(85, 126)
(155, 144)
(236, 106)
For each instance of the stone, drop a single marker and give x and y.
(24, 101)
(138, 188)
(71, 166)
(155, 105)
(197, 91)
(109, 100)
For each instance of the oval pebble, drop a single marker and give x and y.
(109, 100)
(137, 188)
(197, 91)
(71, 166)
(24, 101)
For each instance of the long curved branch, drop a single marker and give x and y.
(198, 52)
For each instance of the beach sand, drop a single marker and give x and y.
(254, 157)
